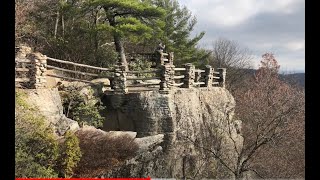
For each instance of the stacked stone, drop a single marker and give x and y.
(37, 72)
(189, 75)
(22, 51)
(208, 76)
(119, 82)
(222, 75)
(167, 77)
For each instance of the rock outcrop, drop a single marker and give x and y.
(174, 130)
(48, 102)
(190, 120)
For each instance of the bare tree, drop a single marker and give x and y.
(273, 115)
(229, 54)
(268, 109)
(22, 10)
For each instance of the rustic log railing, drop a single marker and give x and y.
(31, 69)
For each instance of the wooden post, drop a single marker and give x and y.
(222, 75)
(167, 77)
(197, 76)
(159, 58)
(208, 76)
(37, 71)
(119, 84)
(189, 75)
(170, 58)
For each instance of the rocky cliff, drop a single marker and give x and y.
(191, 120)
(175, 130)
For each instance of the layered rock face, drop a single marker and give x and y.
(191, 120)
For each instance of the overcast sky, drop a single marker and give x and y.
(276, 26)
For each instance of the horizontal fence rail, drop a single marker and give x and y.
(22, 72)
(142, 78)
(71, 71)
(22, 69)
(143, 71)
(143, 85)
(179, 69)
(77, 64)
(22, 79)
(23, 61)
(32, 68)
(179, 77)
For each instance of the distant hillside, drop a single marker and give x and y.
(296, 78)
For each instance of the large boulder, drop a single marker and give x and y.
(48, 103)
(103, 84)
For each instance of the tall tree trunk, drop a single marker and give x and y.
(119, 46)
(120, 50)
(56, 25)
(62, 21)
(96, 39)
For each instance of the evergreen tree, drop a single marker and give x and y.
(179, 23)
(127, 17)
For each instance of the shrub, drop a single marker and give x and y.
(70, 154)
(139, 65)
(102, 152)
(77, 107)
(37, 151)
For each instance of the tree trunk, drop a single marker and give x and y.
(56, 25)
(96, 39)
(119, 46)
(120, 50)
(62, 21)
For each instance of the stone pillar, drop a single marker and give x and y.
(22, 51)
(167, 77)
(119, 84)
(222, 75)
(37, 71)
(189, 75)
(208, 76)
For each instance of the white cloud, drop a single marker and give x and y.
(234, 12)
(262, 26)
(295, 45)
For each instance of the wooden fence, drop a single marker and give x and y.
(31, 69)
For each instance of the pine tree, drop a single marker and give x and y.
(179, 23)
(127, 17)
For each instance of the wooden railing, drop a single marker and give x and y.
(32, 68)
(76, 70)
(22, 70)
